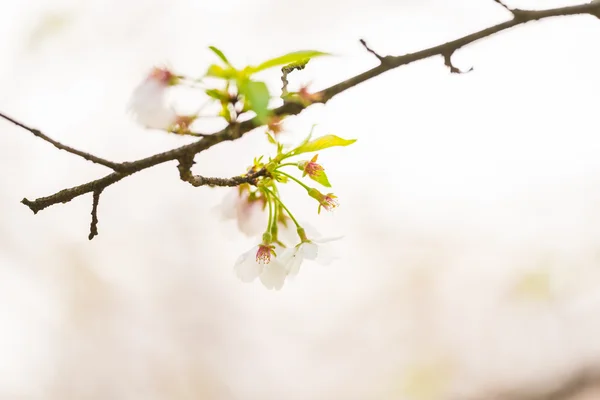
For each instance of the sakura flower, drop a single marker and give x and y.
(315, 171)
(181, 124)
(246, 208)
(311, 168)
(293, 258)
(314, 250)
(261, 262)
(147, 103)
(307, 98)
(273, 275)
(251, 264)
(327, 201)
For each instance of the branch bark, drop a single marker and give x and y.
(235, 131)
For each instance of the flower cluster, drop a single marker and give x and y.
(261, 207)
(257, 207)
(238, 95)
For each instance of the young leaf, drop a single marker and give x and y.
(216, 71)
(257, 94)
(217, 94)
(307, 139)
(286, 59)
(323, 143)
(270, 138)
(220, 54)
(320, 177)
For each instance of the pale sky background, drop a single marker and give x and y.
(470, 208)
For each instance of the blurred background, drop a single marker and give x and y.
(470, 205)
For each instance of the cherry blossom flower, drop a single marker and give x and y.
(148, 101)
(181, 124)
(307, 98)
(327, 201)
(261, 262)
(251, 264)
(314, 250)
(311, 168)
(249, 212)
(273, 275)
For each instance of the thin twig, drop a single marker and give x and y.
(370, 50)
(453, 69)
(60, 146)
(94, 223)
(503, 5)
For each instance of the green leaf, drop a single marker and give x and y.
(297, 56)
(216, 71)
(321, 177)
(257, 94)
(323, 143)
(270, 138)
(307, 139)
(220, 54)
(217, 94)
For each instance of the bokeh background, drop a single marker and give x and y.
(470, 266)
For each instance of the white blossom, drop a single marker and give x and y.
(250, 215)
(314, 250)
(148, 101)
(261, 262)
(273, 275)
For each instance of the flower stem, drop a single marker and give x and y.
(270, 223)
(290, 164)
(298, 181)
(284, 207)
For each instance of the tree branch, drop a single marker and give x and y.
(236, 130)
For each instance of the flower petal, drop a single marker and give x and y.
(292, 259)
(246, 268)
(228, 205)
(310, 250)
(147, 104)
(273, 275)
(288, 233)
(326, 255)
(251, 217)
(327, 240)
